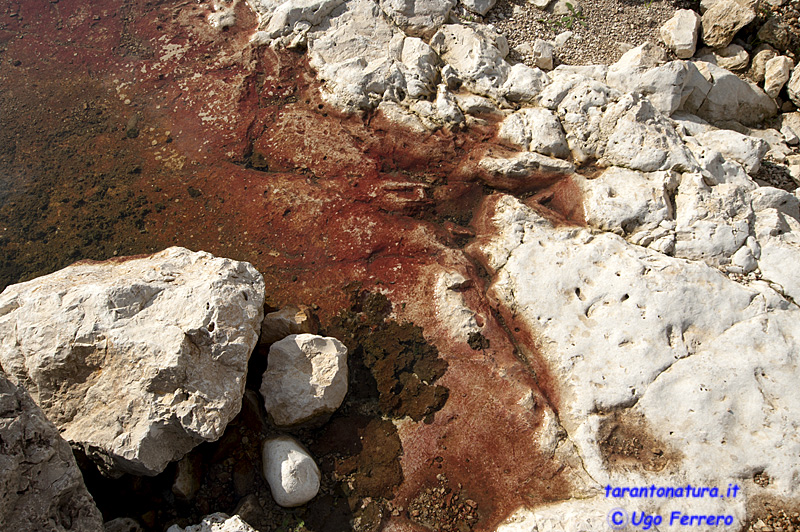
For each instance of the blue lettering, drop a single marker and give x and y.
(673, 516)
(713, 492)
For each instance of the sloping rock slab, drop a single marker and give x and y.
(136, 361)
(668, 353)
(42, 486)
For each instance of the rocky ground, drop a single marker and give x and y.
(547, 278)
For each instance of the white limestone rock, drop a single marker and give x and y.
(680, 33)
(662, 85)
(697, 358)
(758, 66)
(777, 72)
(291, 472)
(450, 305)
(731, 57)
(137, 360)
(43, 489)
(641, 138)
(543, 54)
(306, 378)
(481, 7)
(477, 54)
(535, 129)
(289, 13)
(447, 110)
(418, 18)
(216, 522)
(624, 201)
(730, 96)
(357, 56)
(745, 150)
(509, 173)
(713, 222)
(421, 68)
(524, 83)
(721, 22)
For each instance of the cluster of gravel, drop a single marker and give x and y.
(602, 30)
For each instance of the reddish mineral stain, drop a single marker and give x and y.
(130, 126)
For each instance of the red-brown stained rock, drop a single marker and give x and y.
(342, 199)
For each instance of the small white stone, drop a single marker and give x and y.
(291, 472)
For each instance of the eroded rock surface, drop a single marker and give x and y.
(138, 360)
(43, 489)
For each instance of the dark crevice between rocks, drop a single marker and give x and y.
(392, 374)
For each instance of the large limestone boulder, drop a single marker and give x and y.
(217, 522)
(291, 472)
(732, 97)
(477, 54)
(42, 487)
(744, 149)
(306, 378)
(135, 360)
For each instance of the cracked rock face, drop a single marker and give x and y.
(43, 489)
(136, 361)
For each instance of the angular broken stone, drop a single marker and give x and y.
(721, 22)
(42, 487)
(680, 33)
(777, 72)
(136, 360)
(306, 378)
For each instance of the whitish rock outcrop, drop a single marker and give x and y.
(306, 378)
(291, 472)
(680, 33)
(42, 487)
(135, 360)
(639, 342)
(535, 129)
(217, 522)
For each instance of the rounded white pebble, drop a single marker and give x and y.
(291, 473)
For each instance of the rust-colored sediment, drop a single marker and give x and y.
(197, 139)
